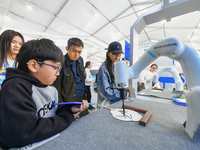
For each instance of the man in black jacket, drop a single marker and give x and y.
(71, 81)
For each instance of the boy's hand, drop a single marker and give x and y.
(77, 109)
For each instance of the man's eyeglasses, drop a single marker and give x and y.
(55, 67)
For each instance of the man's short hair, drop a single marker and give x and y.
(75, 41)
(40, 50)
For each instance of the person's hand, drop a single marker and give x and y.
(77, 109)
(127, 90)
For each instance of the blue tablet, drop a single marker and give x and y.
(73, 103)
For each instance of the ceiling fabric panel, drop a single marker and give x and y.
(96, 22)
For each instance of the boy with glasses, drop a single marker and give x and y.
(27, 113)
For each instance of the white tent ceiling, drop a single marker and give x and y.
(96, 22)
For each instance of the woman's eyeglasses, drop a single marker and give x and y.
(153, 67)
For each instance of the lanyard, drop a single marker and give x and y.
(3, 71)
(6, 66)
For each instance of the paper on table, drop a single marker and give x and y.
(142, 93)
(34, 145)
(156, 91)
(181, 100)
(130, 115)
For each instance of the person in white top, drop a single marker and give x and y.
(10, 44)
(146, 77)
(88, 82)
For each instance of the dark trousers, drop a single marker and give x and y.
(88, 92)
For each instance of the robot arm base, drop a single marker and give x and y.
(193, 111)
(178, 92)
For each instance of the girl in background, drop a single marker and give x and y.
(106, 87)
(10, 44)
(88, 82)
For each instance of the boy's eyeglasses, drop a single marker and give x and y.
(55, 67)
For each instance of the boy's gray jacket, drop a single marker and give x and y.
(26, 113)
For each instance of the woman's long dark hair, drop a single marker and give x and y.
(5, 40)
(108, 63)
(87, 64)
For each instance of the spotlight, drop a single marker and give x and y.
(29, 7)
(7, 18)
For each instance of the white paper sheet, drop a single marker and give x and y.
(34, 145)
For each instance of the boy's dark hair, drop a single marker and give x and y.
(75, 41)
(87, 64)
(40, 50)
(5, 40)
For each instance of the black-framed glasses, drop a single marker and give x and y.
(55, 67)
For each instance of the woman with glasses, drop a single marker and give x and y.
(146, 79)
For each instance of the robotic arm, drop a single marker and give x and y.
(169, 47)
(177, 78)
(190, 63)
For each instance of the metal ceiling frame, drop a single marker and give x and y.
(165, 12)
(90, 39)
(90, 34)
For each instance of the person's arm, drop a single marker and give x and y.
(58, 84)
(77, 109)
(89, 78)
(74, 109)
(104, 86)
(141, 78)
(19, 117)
